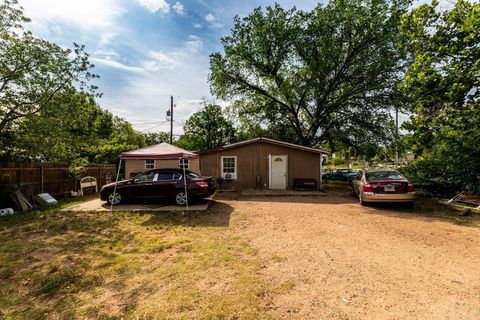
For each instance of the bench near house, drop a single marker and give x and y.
(263, 163)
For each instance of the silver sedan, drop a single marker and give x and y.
(382, 185)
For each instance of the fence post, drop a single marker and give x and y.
(41, 178)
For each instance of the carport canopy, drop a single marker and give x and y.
(161, 151)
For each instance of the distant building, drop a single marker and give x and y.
(263, 163)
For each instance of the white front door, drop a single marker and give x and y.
(278, 172)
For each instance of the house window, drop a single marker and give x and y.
(149, 164)
(184, 163)
(229, 167)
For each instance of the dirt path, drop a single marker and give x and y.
(330, 258)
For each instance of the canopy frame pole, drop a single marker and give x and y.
(185, 181)
(116, 182)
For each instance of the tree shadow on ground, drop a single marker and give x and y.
(53, 256)
(217, 215)
(426, 209)
(330, 198)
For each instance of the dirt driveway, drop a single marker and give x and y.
(330, 258)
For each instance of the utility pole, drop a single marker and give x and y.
(396, 137)
(171, 119)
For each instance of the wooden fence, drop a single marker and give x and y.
(53, 178)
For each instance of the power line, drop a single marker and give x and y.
(157, 125)
(135, 95)
(144, 123)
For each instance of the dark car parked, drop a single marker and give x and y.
(159, 184)
(341, 174)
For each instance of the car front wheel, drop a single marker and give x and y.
(114, 198)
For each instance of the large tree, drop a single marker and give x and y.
(152, 138)
(443, 85)
(33, 71)
(71, 126)
(316, 76)
(207, 129)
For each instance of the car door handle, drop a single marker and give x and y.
(148, 184)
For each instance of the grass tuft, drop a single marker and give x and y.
(127, 266)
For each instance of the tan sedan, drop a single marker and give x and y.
(382, 185)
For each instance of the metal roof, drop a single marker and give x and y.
(160, 151)
(267, 140)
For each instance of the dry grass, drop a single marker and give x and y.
(127, 265)
(425, 206)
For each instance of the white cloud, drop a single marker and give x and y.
(179, 8)
(159, 60)
(106, 37)
(216, 25)
(107, 54)
(197, 26)
(116, 65)
(210, 17)
(145, 97)
(88, 14)
(155, 5)
(193, 44)
(175, 57)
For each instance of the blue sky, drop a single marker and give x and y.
(145, 50)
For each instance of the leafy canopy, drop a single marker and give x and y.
(207, 129)
(70, 127)
(318, 76)
(443, 85)
(34, 71)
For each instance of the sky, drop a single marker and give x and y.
(145, 50)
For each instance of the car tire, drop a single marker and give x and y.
(114, 198)
(181, 198)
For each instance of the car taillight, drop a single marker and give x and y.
(202, 184)
(411, 188)
(367, 188)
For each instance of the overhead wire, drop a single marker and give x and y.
(157, 125)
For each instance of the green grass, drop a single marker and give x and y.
(127, 265)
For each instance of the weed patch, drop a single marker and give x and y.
(126, 265)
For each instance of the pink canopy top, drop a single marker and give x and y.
(158, 152)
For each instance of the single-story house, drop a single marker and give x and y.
(263, 163)
(159, 156)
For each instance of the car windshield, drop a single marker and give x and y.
(384, 175)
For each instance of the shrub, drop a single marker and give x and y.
(445, 176)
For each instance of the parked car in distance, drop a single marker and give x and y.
(159, 184)
(341, 174)
(382, 185)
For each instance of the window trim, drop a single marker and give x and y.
(235, 167)
(180, 164)
(148, 168)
